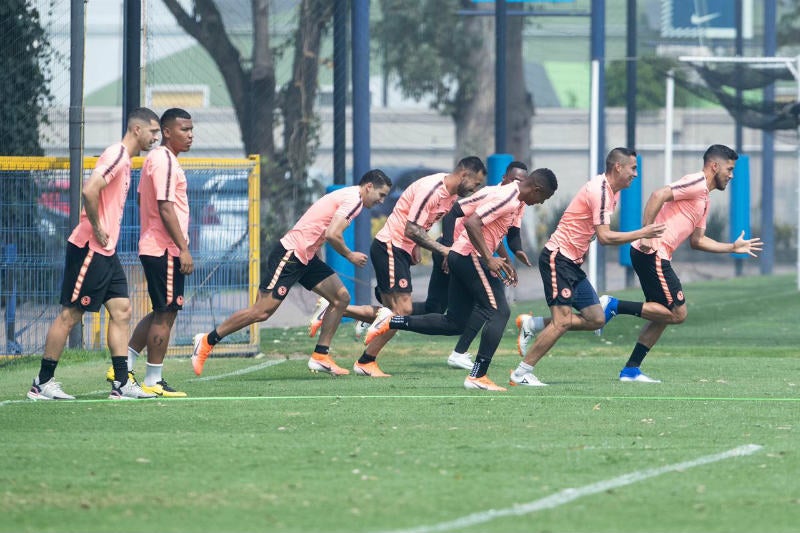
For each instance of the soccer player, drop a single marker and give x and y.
(476, 297)
(163, 247)
(565, 284)
(436, 301)
(294, 259)
(683, 208)
(93, 274)
(396, 246)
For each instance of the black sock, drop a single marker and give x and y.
(320, 349)
(629, 308)
(398, 322)
(480, 367)
(120, 364)
(47, 370)
(213, 338)
(637, 355)
(364, 359)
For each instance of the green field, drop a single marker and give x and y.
(263, 445)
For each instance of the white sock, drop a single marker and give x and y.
(152, 374)
(523, 368)
(538, 323)
(132, 355)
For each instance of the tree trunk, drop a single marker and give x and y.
(519, 110)
(474, 118)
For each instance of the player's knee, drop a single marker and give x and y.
(342, 299)
(403, 307)
(679, 314)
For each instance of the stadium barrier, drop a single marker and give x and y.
(224, 231)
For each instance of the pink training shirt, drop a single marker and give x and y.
(308, 234)
(497, 211)
(115, 167)
(687, 210)
(424, 202)
(592, 206)
(162, 180)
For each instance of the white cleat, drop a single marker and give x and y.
(360, 328)
(49, 390)
(130, 391)
(526, 380)
(526, 333)
(315, 322)
(634, 374)
(460, 360)
(380, 325)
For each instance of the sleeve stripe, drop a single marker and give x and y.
(422, 205)
(352, 213)
(687, 185)
(499, 205)
(113, 165)
(169, 174)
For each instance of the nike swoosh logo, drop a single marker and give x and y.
(702, 19)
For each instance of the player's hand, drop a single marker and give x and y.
(100, 235)
(645, 245)
(747, 246)
(653, 230)
(501, 268)
(357, 258)
(445, 266)
(523, 257)
(187, 263)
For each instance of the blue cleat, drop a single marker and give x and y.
(632, 373)
(609, 305)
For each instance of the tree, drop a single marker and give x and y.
(25, 56)
(651, 75)
(260, 106)
(437, 52)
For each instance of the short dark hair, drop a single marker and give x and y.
(619, 154)
(516, 164)
(545, 177)
(473, 164)
(720, 151)
(173, 113)
(142, 114)
(376, 177)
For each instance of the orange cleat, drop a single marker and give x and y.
(370, 370)
(482, 383)
(201, 352)
(324, 363)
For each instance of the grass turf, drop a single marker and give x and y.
(263, 445)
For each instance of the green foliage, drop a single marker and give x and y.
(789, 23)
(25, 56)
(426, 45)
(650, 84)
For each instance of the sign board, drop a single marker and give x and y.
(710, 19)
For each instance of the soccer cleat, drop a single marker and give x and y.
(482, 383)
(324, 363)
(526, 333)
(380, 325)
(130, 391)
(632, 373)
(163, 390)
(460, 360)
(110, 375)
(369, 369)
(49, 390)
(316, 317)
(609, 305)
(200, 352)
(361, 328)
(526, 380)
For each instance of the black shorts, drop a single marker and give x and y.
(164, 281)
(91, 279)
(565, 283)
(659, 282)
(284, 270)
(392, 267)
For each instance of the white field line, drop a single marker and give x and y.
(568, 495)
(241, 371)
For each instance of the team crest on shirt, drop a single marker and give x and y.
(403, 283)
(180, 300)
(86, 300)
(680, 296)
(566, 292)
(282, 290)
